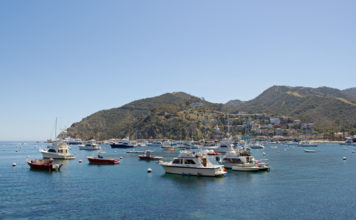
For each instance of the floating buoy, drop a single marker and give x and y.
(121, 157)
(344, 158)
(80, 161)
(14, 164)
(149, 170)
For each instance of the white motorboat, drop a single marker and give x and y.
(306, 144)
(89, 146)
(252, 166)
(58, 150)
(256, 146)
(196, 164)
(309, 151)
(155, 144)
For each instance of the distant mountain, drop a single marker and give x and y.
(157, 117)
(326, 107)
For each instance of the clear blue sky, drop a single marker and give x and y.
(69, 59)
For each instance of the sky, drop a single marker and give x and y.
(69, 59)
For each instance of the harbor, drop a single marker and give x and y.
(299, 184)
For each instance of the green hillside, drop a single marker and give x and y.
(182, 116)
(171, 115)
(326, 107)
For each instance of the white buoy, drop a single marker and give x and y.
(80, 161)
(14, 164)
(149, 170)
(121, 157)
(344, 158)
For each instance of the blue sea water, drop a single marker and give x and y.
(299, 186)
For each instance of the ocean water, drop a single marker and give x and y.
(299, 186)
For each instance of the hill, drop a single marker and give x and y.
(350, 92)
(167, 116)
(326, 107)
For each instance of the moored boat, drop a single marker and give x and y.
(100, 160)
(256, 146)
(251, 167)
(307, 144)
(89, 146)
(155, 144)
(309, 151)
(58, 150)
(122, 144)
(190, 163)
(148, 156)
(47, 164)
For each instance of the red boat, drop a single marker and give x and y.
(47, 164)
(102, 161)
(148, 156)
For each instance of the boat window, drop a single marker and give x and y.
(177, 161)
(52, 150)
(189, 162)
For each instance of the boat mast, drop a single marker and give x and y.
(55, 130)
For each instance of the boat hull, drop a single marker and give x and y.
(121, 146)
(250, 168)
(102, 161)
(49, 167)
(46, 154)
(229, 165)
(142, 157)
(246, 168)
(216, 171)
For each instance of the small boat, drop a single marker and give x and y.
(135, 152)
(148, 156)
(89, 146)
(122, 144)
(251, 167)
(155, 144)
(306, 144)
(47, 164)
(256, 146)
(100, 160)
(195, 164)
(309, 151)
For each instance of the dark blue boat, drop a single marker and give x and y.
(121, 144)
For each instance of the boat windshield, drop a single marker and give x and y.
(177, 161)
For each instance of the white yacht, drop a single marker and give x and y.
(190, 163)
(89, 146)
(58, 150)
